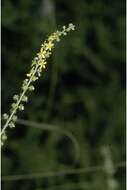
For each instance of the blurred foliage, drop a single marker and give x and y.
(83, 89)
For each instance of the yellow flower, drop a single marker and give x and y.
(49, 45)
(42, 54)
(42, 64)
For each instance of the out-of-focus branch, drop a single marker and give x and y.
(54, 128)
(32, 176)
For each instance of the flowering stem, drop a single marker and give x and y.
(18, 102)
(38, 63)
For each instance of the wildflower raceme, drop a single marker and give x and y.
(38, 64)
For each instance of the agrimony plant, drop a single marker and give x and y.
(38, 64)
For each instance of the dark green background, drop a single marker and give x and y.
(82, 91)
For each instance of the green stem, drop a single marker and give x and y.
(17, 104)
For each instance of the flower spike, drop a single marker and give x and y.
(38, 64)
